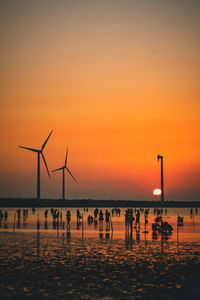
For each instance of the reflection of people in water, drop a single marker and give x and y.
(54, 224)
(107, 236)
(129, 239)
(46, 225)
(95, 223)
(138, 235)
(18, 223)
(68, 236)
(78, 225)
(100, 235)
(154, 235)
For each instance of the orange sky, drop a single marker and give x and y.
(118, 81)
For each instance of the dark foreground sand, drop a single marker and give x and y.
(44, 266)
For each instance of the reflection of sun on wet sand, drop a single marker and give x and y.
(87, 253)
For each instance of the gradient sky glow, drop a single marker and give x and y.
(117, 80)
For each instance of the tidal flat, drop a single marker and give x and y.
(92, 262)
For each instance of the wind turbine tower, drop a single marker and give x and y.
(63, 177)
(39, 152)
(160, 157)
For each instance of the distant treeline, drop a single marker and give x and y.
(10, 202)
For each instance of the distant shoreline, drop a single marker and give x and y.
(10, 202)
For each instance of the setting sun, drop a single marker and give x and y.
(157, 192)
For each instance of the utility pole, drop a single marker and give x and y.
(160, 157)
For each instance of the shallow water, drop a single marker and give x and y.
(92, 262)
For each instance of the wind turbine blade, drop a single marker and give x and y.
(71, 175)
(66, 157)
(31, 149)
(46, 140)
(57, 169)
(45, 164)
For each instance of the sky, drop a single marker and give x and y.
(117, 81)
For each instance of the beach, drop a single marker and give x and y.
(88, 263)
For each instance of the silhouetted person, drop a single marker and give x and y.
(6, 216)
(107, 215)
(96, 211)
(131, 219)
(68, 218)
(78, 215)
(137, 220)
(127, 217)
(46, 214)
(18, 213)
(61, 217)
(101, 216)
(90, 219)
(101, 220)
(113, 212)
(1, 214)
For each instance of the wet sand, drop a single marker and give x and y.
(93, 264)
(65, 268)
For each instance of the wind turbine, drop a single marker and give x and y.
(39, 152)
(160, 157)
(63, 169)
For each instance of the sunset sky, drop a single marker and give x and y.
(117, 80)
